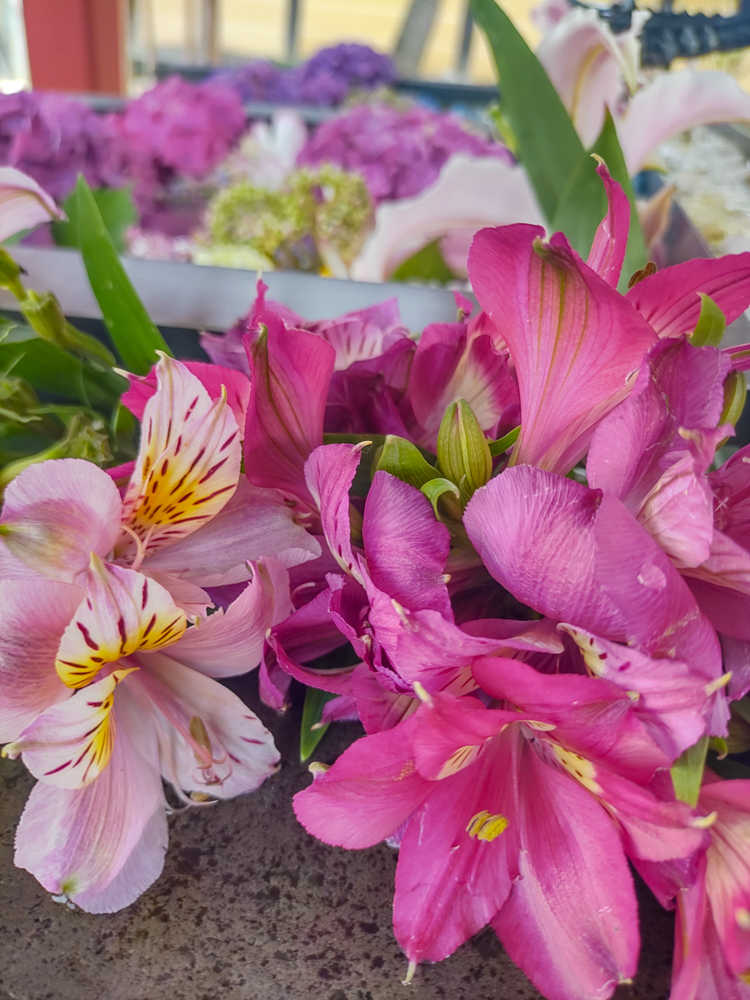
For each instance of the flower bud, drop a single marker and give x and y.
(47, 318)
(463, 451)
(86, 438)
(9, 275)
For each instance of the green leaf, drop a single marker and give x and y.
(404, 461)
(687, 772)
(426, 264)
(312, 711)
(54, 371)
(711, 324)
(583, 204)
(117, 211)
(134, 334)
(502, 444)
(548, 144)
(437, 488)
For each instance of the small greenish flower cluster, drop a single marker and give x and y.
(317, 221)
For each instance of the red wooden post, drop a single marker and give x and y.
(77, 45)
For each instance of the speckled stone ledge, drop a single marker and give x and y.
(250, 907)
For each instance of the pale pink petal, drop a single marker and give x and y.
(669, 299)
(329, 473)
(103, 845)
(405, 546)
(231, 642)
(255, 523)
(191, 599)
(573, 339)
(611, 239)
(470, 193)
(587, 62)
(571, 921)
(291, 373)
(123, 611)
(209, 740)
(368, 793)
(70, 744)
(57, 513)
(23, 203)
(214, 378)
(188, 462)
(35, 615)
(673, 102)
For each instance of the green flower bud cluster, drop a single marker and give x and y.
(319, 217)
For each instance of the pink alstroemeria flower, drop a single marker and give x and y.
(187, 518)
(392, 604)
(574, 341)
(712, 933)
(580, 557)
(499, 816)
(105, 690)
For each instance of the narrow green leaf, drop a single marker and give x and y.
(687, 772)
(404, 461)
(134, 334)
(54, 371)
(312, 711)
(548, 144)
(711, 324)
(502, 444)
(583, 204)
(426, 264)
(437, 488)
(117, 212)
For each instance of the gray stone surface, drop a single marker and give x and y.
(249, 907)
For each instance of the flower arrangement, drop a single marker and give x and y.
(515, 525)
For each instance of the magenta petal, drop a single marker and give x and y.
(102, 845)
(571, 921)
(57, 513)
(35, 614)
(574, 341)
(329, 472)
(450, 884)
(368, 793)
(405, 546)
(661, 614)
(669, 299)
(450, 361)
(521, 524)
(377, 707)
(362, 335)
(291, 372)
(678, 386)
(611, 239)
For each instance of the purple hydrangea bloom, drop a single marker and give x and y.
(53, 138)
(399, 153)
(325, 80)
(328, 77)
(178, 129)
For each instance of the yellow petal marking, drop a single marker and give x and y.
(122, 612)
(580, 768)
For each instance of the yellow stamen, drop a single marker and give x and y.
(486, 826)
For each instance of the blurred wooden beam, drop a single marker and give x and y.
(77, 45)
(414, 34)
(202, 20)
